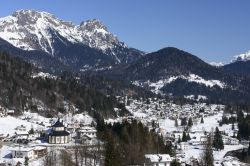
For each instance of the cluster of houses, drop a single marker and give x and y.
(157, 160)
(198, 140)
(160, 108)
(145, 111)
(59, 134)
(153, 114)
(24, 143)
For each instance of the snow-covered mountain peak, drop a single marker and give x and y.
(30, 17)
(95, 30)
(34, 30)
(93, 24)
(30, 13)
(242, 57)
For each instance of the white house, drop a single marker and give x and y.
(157, 160)
(203, 139)
(229, 140)
(2, 111)
(10, 112)
(22, 135)
(184, 146)
(73, 127)
(30, 152)
(198, 139)
(22, 152)
(87, 135)
(87, 131)
(21, 128)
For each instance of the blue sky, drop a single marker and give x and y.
(214, 30)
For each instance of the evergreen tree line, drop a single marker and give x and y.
(226, 120)
(127, 143)
(242, 120)
(243, 126)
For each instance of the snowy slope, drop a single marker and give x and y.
(156, 86)
(9, 123)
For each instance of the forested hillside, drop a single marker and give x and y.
(174, 72)
(23, 89)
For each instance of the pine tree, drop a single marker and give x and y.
(175, 163)
(190, 122)
(169, 149)
(176, 123)
(202, 120)
(188, 137)
(184, 137)
(31, 131)
(207, 158)
(112, 157)
(179, 139)
(26, 161)
(218, 142)
(183, 122)
(243, 154)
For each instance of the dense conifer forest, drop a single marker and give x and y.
(20, 91)
(126, 143)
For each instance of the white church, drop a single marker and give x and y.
(58, 134)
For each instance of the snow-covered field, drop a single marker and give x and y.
(210, 123)
(9, 123)
(218, 155)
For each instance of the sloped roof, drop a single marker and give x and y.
(58, 124)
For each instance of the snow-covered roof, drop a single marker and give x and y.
(40, 148)
(22, 149)
(158, 157)
(87, 129)
(22, 133)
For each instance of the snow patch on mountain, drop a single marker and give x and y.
(216, 64)
(156, 86)
(43, 75)
(196, 98)
(242, 57)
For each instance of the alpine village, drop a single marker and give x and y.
(75, 95)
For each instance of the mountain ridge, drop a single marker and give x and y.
(32, 30)
(177, 73)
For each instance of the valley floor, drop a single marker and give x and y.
(162, 115)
